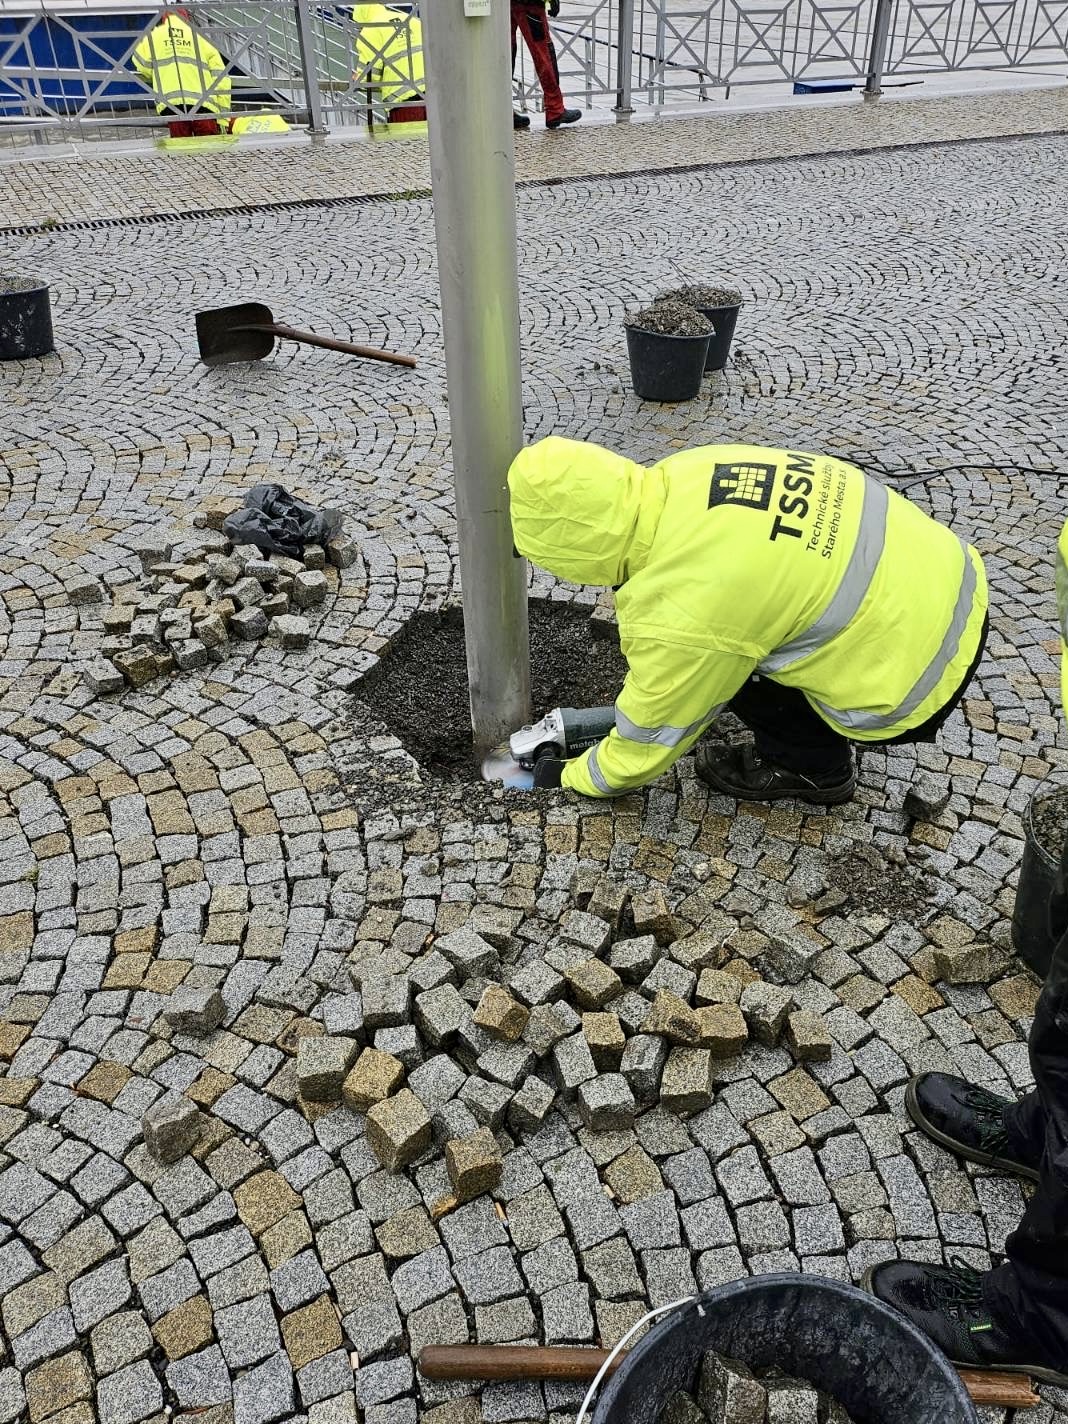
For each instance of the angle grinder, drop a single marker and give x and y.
(563, 733)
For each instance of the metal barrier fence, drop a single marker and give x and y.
(69, 67)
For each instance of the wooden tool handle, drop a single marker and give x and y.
(512, 1362)
(570, 1362)
(996, 1388)
(309, 338)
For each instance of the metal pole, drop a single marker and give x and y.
(624, 59)
(310, 71)
(877, 55)
(472, 170)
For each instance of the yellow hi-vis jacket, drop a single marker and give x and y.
(735, 559)
(1062, 611)
(181, 66)
(259, 124)
(389, 49)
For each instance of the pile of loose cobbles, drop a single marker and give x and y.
(198, 593)
(231, 902)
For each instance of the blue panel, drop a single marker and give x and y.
(53, 47)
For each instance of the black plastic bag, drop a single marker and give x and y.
(277, 522)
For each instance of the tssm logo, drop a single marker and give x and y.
(798, 483)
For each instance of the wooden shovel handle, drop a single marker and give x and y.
(567, 1362)
(996, 1388)
(309, 338)
(513, 1362)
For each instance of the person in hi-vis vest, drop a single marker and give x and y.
(817, 604)
(389, 49)
(187, 74)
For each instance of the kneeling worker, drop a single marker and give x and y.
(1015, 1316)
(819, 606)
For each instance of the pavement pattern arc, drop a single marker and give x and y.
(252, 827)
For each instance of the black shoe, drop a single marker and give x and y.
(969, 1121)
(742, 773)
(520, 121)
(569, 116)
(946, 1303)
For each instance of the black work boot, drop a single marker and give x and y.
(520, 121)
(946, 1303)
(569, 116)
(969, 1121)
(741, 772)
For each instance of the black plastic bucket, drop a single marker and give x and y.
(724, 319)
(1030, 912)
(25, 319)
(666, 368)
(841, 1339)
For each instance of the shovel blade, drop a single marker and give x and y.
(222, 342)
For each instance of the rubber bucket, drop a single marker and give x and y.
(724, 319)
(841, 1339)
(25, 320)
(666, 368)
(1030, 913)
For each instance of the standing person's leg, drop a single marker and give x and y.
(534, 27)
(1030, 1291)
(1014, 1316)
(519, 121)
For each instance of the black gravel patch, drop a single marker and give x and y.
(1049, 821)
(873, 883)
(419, 689)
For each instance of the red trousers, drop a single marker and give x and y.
(193, 128)
(530, 18)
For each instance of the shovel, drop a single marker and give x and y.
(247, 332)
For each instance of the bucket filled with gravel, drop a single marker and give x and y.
(721, 306)
(1045, 834)
(25, 318)
(667, 344)
(784, 1349)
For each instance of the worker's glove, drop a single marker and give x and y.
(548, 770)
(553, 6)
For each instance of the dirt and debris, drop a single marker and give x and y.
(1049, 822)
(872, 883)
(419, 689)
(670, 319)
(702, 295)
(9, 285)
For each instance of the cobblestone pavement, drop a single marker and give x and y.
(85, 186)
(251, 827)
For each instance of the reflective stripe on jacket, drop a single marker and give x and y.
(389, 49)
(182, 68)
(735, 559)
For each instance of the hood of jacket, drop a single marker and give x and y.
(582, 512)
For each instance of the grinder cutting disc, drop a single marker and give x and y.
(500, 765)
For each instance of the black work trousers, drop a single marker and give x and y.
(1028, 1295)
(791, 734)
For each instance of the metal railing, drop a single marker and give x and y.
(67, 66)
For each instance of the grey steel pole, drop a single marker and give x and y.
(472, 170)
(624, 60)
(310, 70)
(880, 36)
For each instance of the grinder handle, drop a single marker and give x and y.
(584, 727)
